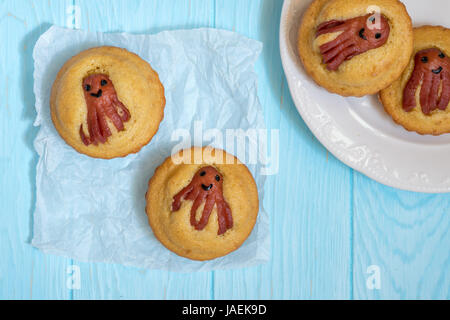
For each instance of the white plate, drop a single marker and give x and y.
(357, 130)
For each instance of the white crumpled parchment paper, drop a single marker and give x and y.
(93, 210)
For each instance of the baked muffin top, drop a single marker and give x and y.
(107, 102)
(355, 48)
(204, 207)
(420, 99)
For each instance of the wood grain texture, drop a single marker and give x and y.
(25, 272)
(407, 236)
(328, 224)
(310, 235)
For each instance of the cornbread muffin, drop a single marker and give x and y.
(107, 102)
(420, 99)
(203, 207)
(355, 48)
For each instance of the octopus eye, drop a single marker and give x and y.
(442, 55)
(372, 19)
(202, 173)
(424, 59)
(378, 36)
(104, 82)
(218, 178)
(88, 87)
(361, 34)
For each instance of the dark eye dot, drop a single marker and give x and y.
(104, 82)
(372, 19)
(424, 59)
(361, 34)
(378, 36)
(442, 55)
(202, 173)
(88, 87)
(218, 178)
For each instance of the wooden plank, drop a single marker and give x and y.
(25, 273)
(105, 281)
(101, 281)
(145, 16)
(406, 236)
(309, 199)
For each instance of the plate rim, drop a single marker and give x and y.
(383, 179)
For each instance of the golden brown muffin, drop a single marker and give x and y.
(203, 207)
(419, 99)
(355, 48)
(107, 102)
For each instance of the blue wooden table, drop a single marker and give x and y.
(335, 233)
